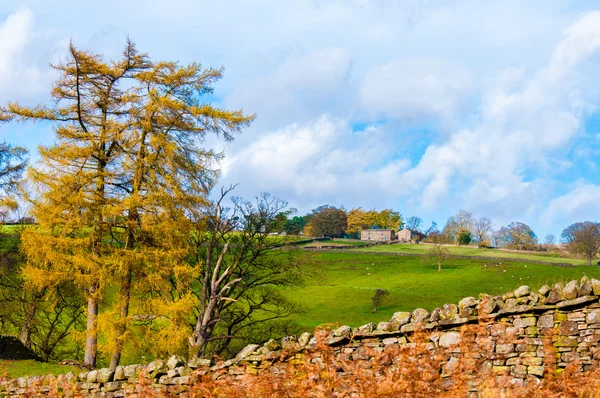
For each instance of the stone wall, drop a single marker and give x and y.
(521, 335)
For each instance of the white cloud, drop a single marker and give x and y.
(415, 88)
(582, 203)
(520, 128)
(307, 162)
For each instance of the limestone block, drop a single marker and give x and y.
(175, 361)
(468, 302)
(119, 373)
(593, 317)
(91, 376)
(585, 287)
(420, 315)
(571, 290)
(544, 290)
(595, 286)
(304, 339)
(522, 291)
(105, 375)
(568, 328)
(505, 348)
(385, 327)
(535, 370)
(524, 322)
(366, 329)
(448, 311)
(449, 339)
(401, 318)
(556, 294)
(195, 363)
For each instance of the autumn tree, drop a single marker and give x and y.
(359, 219)
(12, 164)
(583, 238)
(116, 190)
(517, 235)
(481, 230)
(241, 275)
(327, 221)
(460, 222)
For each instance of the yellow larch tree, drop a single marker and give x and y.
(115, 191)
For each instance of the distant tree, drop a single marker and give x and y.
(481, 230)
(550, 240)
(378, 298)
(295, 225)
(464, 237)
(517, 235)
(414, 223)
(583, 238)
(461, 221)
(432, 229)
(496, 239)
(12, 164)
(327, 221)
(438, 253)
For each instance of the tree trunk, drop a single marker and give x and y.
(121, 326)
(91, 339)
(30, 310)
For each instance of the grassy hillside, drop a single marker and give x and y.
(473, 251)
(342, 289)
(33, 368)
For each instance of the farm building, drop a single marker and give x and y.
(410, 235)
(378, 235)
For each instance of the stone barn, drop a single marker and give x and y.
(410, 235)
(378, 235)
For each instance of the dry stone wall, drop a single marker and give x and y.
(518, 335)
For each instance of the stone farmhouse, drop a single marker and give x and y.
(410, 235)
(378, 235)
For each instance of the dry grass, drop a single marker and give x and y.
(414, 370)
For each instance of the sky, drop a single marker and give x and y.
(426, 107)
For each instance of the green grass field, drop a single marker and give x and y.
(342, 290)
(33, 368)
(473, 251)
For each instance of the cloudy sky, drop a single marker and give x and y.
(423, 106)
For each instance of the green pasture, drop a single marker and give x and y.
(13, 369)
(474, 251)
(342, 288)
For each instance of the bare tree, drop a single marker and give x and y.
(550, 240)
(242, 271)
(438, 252)
(457, 224)
(414, 223)
(481, 230)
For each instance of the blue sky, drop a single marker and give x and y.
(423, 106)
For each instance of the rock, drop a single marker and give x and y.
(448, 311)
(467, 302)
(304, 339)
(340, 334)
(595, 286)
(92, 376)
(272, 345)
(507, 296)
(184, 371)
(420, 315)
(449, 339)
(487, 305)
(105, 375)
(556, 294)
(111, 386)
(568, 328)
(545, 321)
(175, 361)
(385, 327)
(544, 290)
(506, 348)
(535, 370)
(366, 329)
(585, 287)
(593, 317)
(195, 363)
(132, 371)
(289, 342)
(435, 315)
(522, 291)
(400, 318)
(249, 349)
(524, 322)
(571, 290)
(119, 373)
